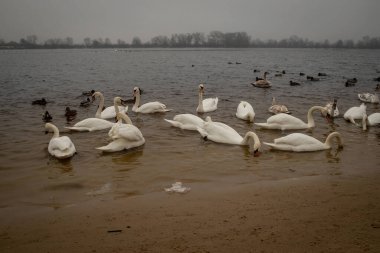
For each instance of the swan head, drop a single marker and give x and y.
(118, 101)
(136, 91)
(96, 94)
(201, 88)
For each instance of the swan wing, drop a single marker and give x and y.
(210, 104)
(61, 147)
(130, 133)
(297, 139)
(121, 144)
(91, 124)
(152, 107)
(109, 112)
(186, 121)
(220, 132)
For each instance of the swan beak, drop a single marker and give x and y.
(123, 102)
(46, 132)
(256, 153)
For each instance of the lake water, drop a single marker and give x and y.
(30, 177)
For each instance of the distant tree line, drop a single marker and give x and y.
(215, 39)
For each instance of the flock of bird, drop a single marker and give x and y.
(125, 135)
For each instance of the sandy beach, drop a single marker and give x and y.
(311, 214)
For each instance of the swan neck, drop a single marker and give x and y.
(200, 101)
(116, 103)
(364, 122)
(101, 105)
(310, 118)
(137, 101)
(331, 136)
(125, 118)
(252, 140)
(53, 128)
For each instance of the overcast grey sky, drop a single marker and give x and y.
(124, 19)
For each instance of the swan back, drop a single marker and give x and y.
(245, 111)
(356, 112)
(219, 132)
(150, 107)
(91, 124)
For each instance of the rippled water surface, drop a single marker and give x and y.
(31, 177)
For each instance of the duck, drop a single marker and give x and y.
(245, 111)
(85, 103)
(356, 112)
(186, 121)
(94, 124)
(299, 142)
(332, 110)
(293, 83)
(276, 108)
(207, 104)
(88, 93)
(312, 78)
(369, 98)
(371, 120)
(377, 87)
(46, 117)
(351, 82)
(263, 83)
(124, 136)
(70, 113)
(222, 133)
(41, 101)
(110, 111)
(283, 121)
(150, 107)
(59, 147)
(322, 74)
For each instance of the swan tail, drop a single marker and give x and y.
(80, 129)
(173, 123)
(114, 146)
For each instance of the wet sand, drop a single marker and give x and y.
(336, 213)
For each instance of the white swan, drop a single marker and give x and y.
(371, 120)
(284, 121)
(332, 110)
(356, 112)
(276, 108)
(94, 124)
(369, 98)
(263, 83)
(207, 104)
(298, 142)
(150, 107)
(245, 111)
(60, 147)
(222, 133)
(186, 121)
(111, 111)
(125, 136)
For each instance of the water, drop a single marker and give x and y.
(30, 177)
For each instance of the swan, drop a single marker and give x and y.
(124, 136)
(222, 133)
(245, 111)
(60, 147)
(186, 121)
(298, 142)
(207, 104)
(150, 107)
(371, 120)
(356, 112)
(331, 110)
(93, 124)
(284, 121)
(264, 83)
(111, 111)
(369, 98)
(276, 108)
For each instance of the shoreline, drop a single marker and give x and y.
(310, 214)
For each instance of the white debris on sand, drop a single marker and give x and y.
(177, 187)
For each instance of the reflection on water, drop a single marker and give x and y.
(171, 154)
